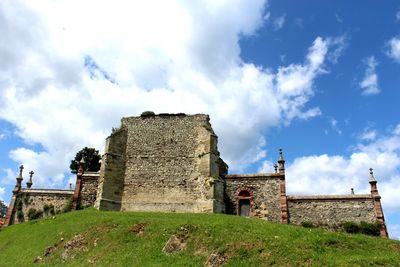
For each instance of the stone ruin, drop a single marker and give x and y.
(171, 163)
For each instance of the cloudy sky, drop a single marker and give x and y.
(319, 79)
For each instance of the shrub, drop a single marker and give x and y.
(68, 206)
(46, 208)
(51, 209)
(307, 224)
(34, 214)
(148, 114)
(351, 227)
(370, 228)
(19, 204)
(20, 214)
(363, 228)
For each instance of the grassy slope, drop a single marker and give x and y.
(111, 239)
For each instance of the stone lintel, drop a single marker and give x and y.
(252, 176)
(330, 197)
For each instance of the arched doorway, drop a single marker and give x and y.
(244, 202)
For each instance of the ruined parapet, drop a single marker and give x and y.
(90, 181)
(30, 202)
(260, 195)
(254, 195)
(331, 211)
(165, 162)
(112, 172)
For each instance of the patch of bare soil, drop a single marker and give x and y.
(178, 241)
(174, 244)
(215, 259)
(73, 246)
(138, 228)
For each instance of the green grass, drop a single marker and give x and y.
(137, 239)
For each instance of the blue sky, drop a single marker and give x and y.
(317, 78)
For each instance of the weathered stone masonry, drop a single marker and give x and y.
(171, 163)
(162, 163)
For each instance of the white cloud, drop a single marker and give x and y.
(368, 135)
(369, 84)
(334, 125)
(180, 57)
(279, 22)
(2, 191)
(393, 50)
(398, 15)
(338, 18)
(267, 16)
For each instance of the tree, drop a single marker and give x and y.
(91, 157)
(3, 209)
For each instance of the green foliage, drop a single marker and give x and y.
(20, 215)
(34, 214)
(147, 114)
(68, 206)
(363, 228)
(307, 224)
(3, 209)
(46, 208)
(351, 227)
(18, 204)
(370, 228)
(137, 239)
(51, 209)
(92, 160)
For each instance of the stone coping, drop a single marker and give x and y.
(91, 174)
(330, 197)
(252, 176)
(48, 191)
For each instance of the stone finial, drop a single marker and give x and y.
(70, 185)
(21, 168)
(19, 179)
(276, 168)
(29, 183)
(281, 162)
(81, 167)
(352, 191)
(371, 177)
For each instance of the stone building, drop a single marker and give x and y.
(171, 163)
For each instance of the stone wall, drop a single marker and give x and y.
(111, 180)
(166, 162)
(265, 191)
(39, 198)
(88, 192)
(331, 211)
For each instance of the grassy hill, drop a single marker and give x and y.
(93, 238)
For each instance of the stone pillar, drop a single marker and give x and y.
(282, 189)
(78, 185)
(377, 204)
(281, 162)
(11, 207)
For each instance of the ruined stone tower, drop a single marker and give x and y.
(165, 162)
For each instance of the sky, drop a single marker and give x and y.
(318, 78)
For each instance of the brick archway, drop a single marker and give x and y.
(244, 201)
